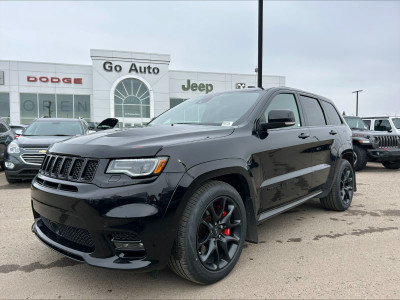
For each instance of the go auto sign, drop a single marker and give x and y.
(67, 80)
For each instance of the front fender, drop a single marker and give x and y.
(199, 174)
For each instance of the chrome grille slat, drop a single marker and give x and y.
(33, 159)
(69, 168)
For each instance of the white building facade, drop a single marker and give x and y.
(133, 87)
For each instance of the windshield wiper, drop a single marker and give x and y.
(60, 135)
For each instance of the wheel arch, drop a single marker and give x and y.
(348, 155)
(231, 171)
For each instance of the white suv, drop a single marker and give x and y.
(388, 124)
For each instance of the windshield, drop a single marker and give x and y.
(219, 109)
(396, 122)
(356, 123)
(68, 128)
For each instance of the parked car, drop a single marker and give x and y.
(108, 123)
(190, 188)
(6, 136)
(25, 154)
(18, 129)
(373, 145)
(387, 124)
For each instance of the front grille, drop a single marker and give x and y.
(69, 168)
(33, 159)
(388, 141)
(78, 236)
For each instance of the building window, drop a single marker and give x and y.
(175, 101)
(5, 106)
(132, 99)
(34, 106)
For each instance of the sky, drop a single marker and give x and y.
(330, 48)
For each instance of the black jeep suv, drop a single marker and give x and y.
(188, 189)
(373, 145)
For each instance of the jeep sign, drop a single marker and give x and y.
(201, 87)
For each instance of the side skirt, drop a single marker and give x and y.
(273, 212)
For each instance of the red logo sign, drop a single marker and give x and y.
(66, 80)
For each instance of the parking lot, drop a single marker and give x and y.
(307, 252)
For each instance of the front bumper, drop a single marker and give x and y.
(21, 170)
(379, 155)
(83, 223)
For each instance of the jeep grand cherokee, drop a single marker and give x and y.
(191, 187)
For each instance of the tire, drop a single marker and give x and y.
(12, 181)
(205, 253)
(2, 166)
(391, 164)
(341, 194)
(361, 158)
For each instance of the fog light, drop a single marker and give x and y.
(9, 165)
(128, 246)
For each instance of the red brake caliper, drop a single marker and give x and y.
(226, 231)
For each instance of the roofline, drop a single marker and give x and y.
(43, 62)
(227, 73)
(381, 117)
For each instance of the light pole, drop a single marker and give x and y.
(260, 42)
(359, 91)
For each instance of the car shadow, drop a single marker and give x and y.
(16, 186)
(372, 167)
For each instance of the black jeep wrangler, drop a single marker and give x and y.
(373, 145)
(188, 189)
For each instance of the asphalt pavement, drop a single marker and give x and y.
(307, 252)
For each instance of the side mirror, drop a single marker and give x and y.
(279, 119)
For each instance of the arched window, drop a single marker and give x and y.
(132, 99)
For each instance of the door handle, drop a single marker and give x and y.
(332, 132)
(304, 135)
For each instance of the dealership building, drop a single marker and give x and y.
(131, 86)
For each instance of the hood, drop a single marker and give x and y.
(137, 142)
(39, 141)
(368, 133)
(107, 123)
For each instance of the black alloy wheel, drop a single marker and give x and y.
(210, 235)
(346, 185)
(219, 233)
(341, 194)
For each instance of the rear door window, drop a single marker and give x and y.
(332, 114)
(396, 122)
(312, 111)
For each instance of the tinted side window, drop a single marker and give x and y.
(368, 122)
(332, 114)
(313, 111)
(284, 101)
(381, 125)
(3, 128)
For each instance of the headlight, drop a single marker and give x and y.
(137, 167)
(13, 148)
